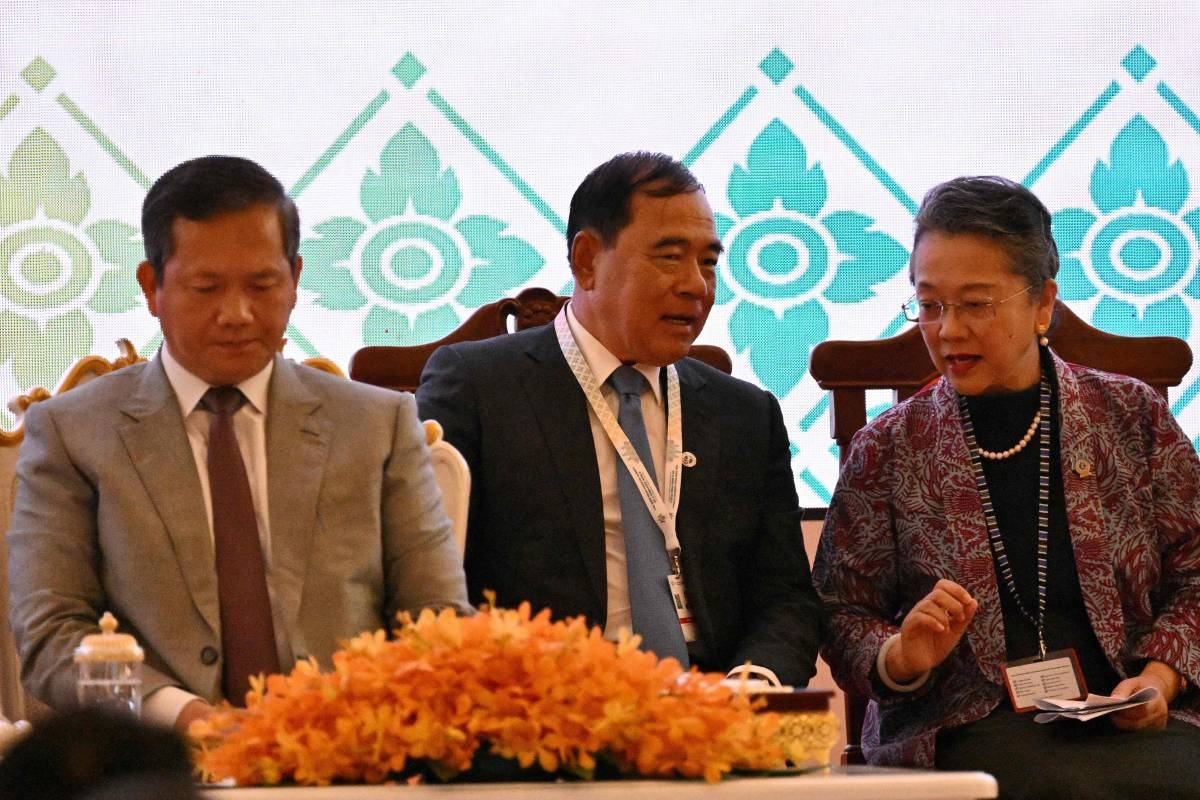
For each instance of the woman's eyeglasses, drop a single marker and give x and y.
(931, 312)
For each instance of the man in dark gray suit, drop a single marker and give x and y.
(564, 490)
(229, 539)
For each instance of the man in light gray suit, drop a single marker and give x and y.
(121, 506)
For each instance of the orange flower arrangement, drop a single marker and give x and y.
(552, 694)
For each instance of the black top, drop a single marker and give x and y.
(1000, 421)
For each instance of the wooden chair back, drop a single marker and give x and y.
(399, 367)
(848, 369)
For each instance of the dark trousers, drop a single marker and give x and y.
(1069, 759)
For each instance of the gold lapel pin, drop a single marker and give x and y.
(1083, 468)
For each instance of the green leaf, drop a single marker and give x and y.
(410, 172)
(120, 246)
(505, 261)
(384, 326)
(777, 169)
(779, 347)
(874, 257)
(723, 293)
(1168, 317)
(39, 174)
(1139, 163)
(40, 358)
(1069, 227)
(1193, 221)
(325, 271)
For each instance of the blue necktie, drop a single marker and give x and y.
(653, 609)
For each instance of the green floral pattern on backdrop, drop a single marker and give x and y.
(415, 261)
(1137, 247)
(54, 264)
(427, 213)
(789, 261)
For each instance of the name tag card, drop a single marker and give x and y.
(1058, 676)
(682, 609)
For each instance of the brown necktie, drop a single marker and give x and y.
(247, 633)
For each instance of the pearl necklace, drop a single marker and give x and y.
(1016, 448)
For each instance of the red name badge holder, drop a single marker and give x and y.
(1056, 675)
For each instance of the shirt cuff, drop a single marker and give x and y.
(162, 707)
(754, 671)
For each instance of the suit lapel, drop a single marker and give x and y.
(156, 440)
(297, 450)
(698, 490)
(561, 413)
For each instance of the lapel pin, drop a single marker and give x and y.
(1083, 468)
(688, 459)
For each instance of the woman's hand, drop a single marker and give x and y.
(930, 631)
(1152, 715)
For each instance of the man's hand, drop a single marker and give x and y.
(196, 709)
(1152, 715)
(930, 631)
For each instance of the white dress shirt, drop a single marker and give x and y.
(250, 429)
(603, 364)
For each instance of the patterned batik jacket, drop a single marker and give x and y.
(906, 512)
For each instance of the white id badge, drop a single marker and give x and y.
(686, 622)
(1058, 677)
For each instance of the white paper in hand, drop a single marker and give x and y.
(1095, 705)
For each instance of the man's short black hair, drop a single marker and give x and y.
(601, 203)
(207, 187)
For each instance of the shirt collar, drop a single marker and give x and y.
(189, 389)
(601, 361)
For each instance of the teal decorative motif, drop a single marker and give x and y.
(53, 267)
(1139, 249)
(788, 258)
(415, 261)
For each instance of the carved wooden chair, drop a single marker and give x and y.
(399, 367)
(848, 369)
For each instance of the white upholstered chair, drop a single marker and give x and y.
(453, 478)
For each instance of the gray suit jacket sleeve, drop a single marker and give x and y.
(55, 561)
(422, 566)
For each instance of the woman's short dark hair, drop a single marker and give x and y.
(999, 209)
(601, 203)
(207, 187)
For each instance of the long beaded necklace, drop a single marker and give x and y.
(1042, 426)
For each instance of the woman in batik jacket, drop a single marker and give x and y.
(1020, 509)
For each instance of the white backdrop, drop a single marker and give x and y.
(433, 147)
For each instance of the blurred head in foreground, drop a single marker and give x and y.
(95, 755)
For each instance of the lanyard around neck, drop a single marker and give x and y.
(662, 508)
(989, 513)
